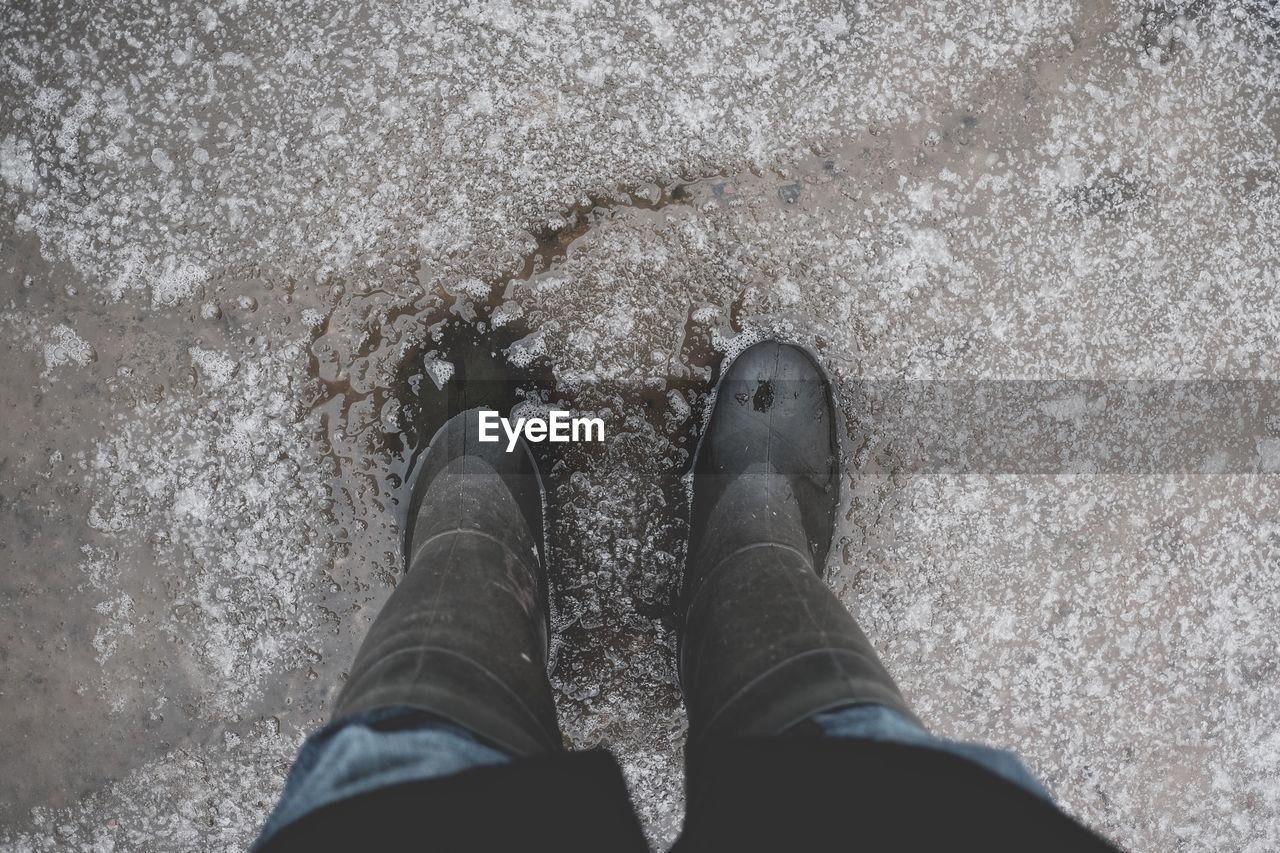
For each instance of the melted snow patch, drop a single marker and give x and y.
(220, 483)
(17, 165)
(176, 282)
(64, 347)
(216, 368)
(59, 345)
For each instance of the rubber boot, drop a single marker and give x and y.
(465, 633)
(765, 644)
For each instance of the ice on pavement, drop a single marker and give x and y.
(231, 230)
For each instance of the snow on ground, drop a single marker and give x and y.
(230, 231)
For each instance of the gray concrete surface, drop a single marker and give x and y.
(227, 228)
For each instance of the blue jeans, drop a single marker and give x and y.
(388, 746)
(876, 722)
(371, 750)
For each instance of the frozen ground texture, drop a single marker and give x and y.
(226, 227)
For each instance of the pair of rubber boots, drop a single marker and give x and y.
(764, 644)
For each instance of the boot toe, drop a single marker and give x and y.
(770, 361)
(774, 404)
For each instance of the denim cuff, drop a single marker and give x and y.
(880, 723)
(370, 750)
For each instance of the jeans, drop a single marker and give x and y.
(388, 746)
(876, 722)
(370, 750)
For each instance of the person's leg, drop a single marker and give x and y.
(465, 635)
(766, 647)
(764, 643)
(452, 674)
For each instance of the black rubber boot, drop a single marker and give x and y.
(765, 643)
(465, 634)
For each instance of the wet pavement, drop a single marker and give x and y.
(240, 240)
